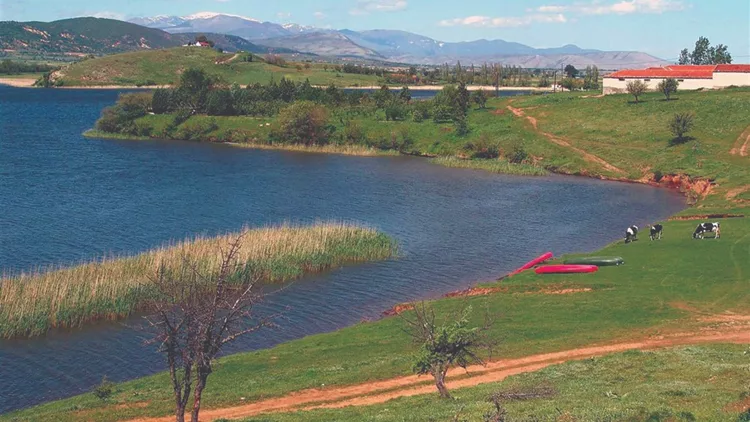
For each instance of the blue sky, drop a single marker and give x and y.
(659, 27)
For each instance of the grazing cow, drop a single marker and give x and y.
(704, 228)
(631, 234)
(656, 231)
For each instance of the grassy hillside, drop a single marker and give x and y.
(162, 67)
(665, 288)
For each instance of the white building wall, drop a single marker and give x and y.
(618, 86)
(720, 80)
(725, 79)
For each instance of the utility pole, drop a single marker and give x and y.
(554, 85)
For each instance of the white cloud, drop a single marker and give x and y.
(504, 22)
(365, 7)
(319, 15)
(623, 7)
(283, 15)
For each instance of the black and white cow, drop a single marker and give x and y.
(704, 228)
(631, 234)
(656, 231)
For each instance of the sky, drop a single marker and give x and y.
(658, 27)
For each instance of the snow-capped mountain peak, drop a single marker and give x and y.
(211, 15)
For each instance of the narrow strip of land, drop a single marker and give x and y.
(565, 144)
(382, 391)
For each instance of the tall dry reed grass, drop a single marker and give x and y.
(113, 288)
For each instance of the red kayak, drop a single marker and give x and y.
(567, 269)
(532, 263)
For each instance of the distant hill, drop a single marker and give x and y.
(84, 36)
(324, 44)
(81, 36)
(395, 46)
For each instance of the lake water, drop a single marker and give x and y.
(64, 199)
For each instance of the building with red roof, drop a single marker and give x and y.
(689, 76)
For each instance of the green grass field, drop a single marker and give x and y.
(707, 383)
(665, 287)
(162, 67)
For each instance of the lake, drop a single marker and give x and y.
(65, 199)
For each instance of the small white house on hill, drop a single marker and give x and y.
(689, 76)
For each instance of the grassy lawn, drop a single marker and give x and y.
(162, 67)
(664, 286)
(707, 383)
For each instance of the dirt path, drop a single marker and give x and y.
(565, 144)
(382, 391)
(742, 144)
(229, 60)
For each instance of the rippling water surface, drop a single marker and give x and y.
(65, 199)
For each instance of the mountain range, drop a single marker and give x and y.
(393, 45)
(88, 35)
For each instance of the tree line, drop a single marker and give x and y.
(8, 67)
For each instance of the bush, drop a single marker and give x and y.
(681, 124)
(395, 110)
(104, 390)
(303, 122)
(161, 101)
(636, 88)
(129, 107)
(668, 87)
(421, 111)
(353, 133)
(483, 148)
(219, 103)
(406, 145)
(518, 155)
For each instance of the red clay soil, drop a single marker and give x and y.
(399, 309)
(734, 193)
(563, 143)
(382, 391)
(742, 145)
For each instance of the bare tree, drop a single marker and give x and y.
(444, 346)
(636, 88)
(195, 311)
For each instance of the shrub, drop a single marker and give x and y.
(353, 133)
(303, 122)
(161, 101)
(104, 390)
(668, 87)
(483, 148)
(119, 118)
(219, 103)
(681, 124)
(421, 111)
(406, 145)
(395, 110)
(518, 155)
(636, 88)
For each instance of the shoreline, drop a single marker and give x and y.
(29, 83)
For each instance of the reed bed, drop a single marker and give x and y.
(494, 166)
(113, 288)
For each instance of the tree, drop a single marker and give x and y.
(193, 89)
(571, 84)
(442, 347)
(162, 101)
(681, 124)
(591, 79)
(220, 103)
(705, 54)
(480, 97)
(382, 96)
(303, 122)
(196, 310)
(405, 94)
(684, 57)
(571, 71)
(636, 88)
(668, 87)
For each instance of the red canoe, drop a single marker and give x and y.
(532, 263)
(567, 269)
